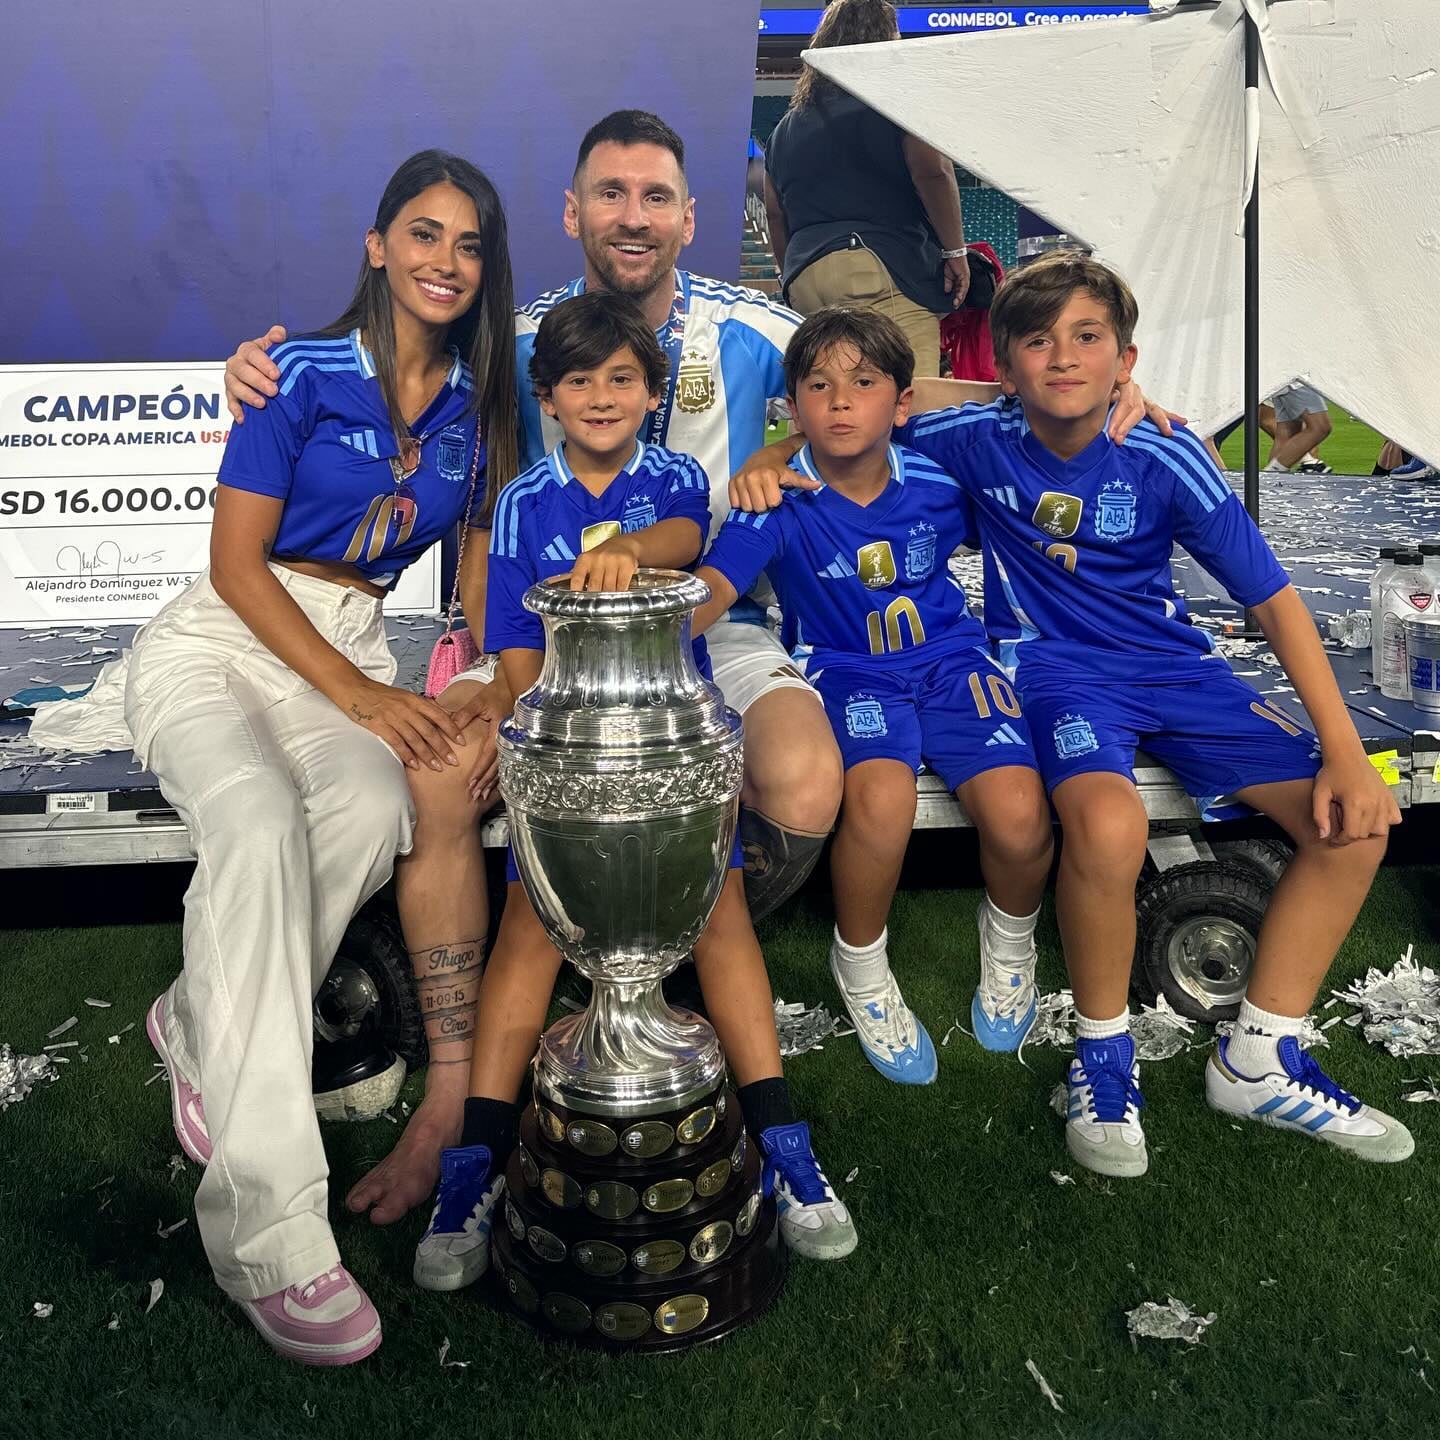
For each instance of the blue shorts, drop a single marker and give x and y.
(957, 713)
(512, 870)
(1217, 734)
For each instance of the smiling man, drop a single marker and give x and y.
(630, 208)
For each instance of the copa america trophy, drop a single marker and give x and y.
(634, 1214)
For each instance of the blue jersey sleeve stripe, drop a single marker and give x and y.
(505, 532)
(1189, 449)
(1177, 467)
(303, 365)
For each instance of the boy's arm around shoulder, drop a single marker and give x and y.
(1351, 802)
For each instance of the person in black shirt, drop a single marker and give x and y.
(860, 211)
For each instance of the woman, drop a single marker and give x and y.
(262, 699)
(860, 211)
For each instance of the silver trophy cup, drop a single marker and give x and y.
(620, 770)
(635, 1214)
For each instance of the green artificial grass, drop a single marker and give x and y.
(1351, 449)
(1323, 1271)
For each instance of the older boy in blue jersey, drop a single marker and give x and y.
(598, 506)
(1078, 535)
(859, 566)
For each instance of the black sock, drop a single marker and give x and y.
(492, 1123)
(765, 1103)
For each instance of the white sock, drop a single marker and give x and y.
(862, 967)
(1254, 1047)
(1276, 465)
(1088, 1029)
(1012, 937)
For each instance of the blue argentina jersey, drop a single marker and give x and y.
(731, 363)
(545, 517)
(323, 446)
(854, 579)
(1077, 552)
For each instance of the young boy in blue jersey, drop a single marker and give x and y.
(600, 505)
(1078, 534)
(859, 566)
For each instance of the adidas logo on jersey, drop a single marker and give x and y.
(1006, 495)
(1006, 735)
(363, 441)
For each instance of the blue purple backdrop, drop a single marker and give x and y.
(178, 173)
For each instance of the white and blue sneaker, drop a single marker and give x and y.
(813, 1220)
(891, 1037)
(455, 1250)
(1102, 1121)
(1004, 1005)
(1301, 1096)
(1413, 469)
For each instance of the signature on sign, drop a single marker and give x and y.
(106, 558)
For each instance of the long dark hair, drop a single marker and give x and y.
(845, 22)
(484, 335)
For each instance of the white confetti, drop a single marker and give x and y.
(43, 1310)
(177, 1167)
(98, 1004)
(115, 1039)
(1061, 1178)
(166, 1231)
(19, 1074)
(852, 1175)
(447, 1364)
(1060, 1099)
(61, 1028)
(114, 1323)
(1174, 1320)
(1044, 1385)
(157, 1289)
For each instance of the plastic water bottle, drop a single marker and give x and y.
(1378, 581)
(1405, 595)
(1430, 559)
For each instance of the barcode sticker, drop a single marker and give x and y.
(82, 802)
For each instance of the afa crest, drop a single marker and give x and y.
(593, 535)
(450, 454)
(920, 552)
(1074, 736)
(865, 717)
(1115, 511)
(694, 383)
(875, 565)
(639, 514)
(1058, 514)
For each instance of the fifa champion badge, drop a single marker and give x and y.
(875, 565)
(1058, 514)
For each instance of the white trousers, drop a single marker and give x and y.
(296, 814)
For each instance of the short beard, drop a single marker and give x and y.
(635, 289)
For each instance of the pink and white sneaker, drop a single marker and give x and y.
(187, 1114)
(326, 1321)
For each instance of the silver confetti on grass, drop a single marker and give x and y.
(1399, 1010)
(19, 1074)
(800, 1029)
(42, 1310)
(62, 1027)
(1054, 1021)
(445, 1362)
(157, 1289)
(1044, 1384)
(1174, 1320)
(1428, 1091)
(1061, 1178)
(1159, 1032)
(1060, 1100)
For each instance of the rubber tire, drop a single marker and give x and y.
(374, 942)
(1167, 900)
(1267, 857)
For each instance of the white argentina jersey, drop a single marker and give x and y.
(732, 349)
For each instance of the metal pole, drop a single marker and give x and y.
(1252, 291)
(1252, 298)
